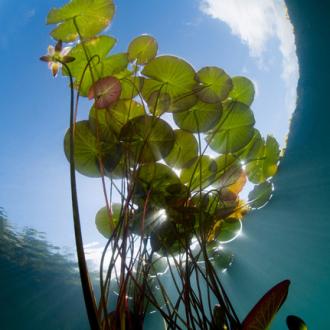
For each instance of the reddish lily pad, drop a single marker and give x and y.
(264, 311)
(105, 91)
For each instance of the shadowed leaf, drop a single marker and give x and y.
(264, 311)
(260, 194)
(295, 323)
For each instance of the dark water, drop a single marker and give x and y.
(39, 287)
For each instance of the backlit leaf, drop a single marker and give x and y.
(86, 149)
(142, 49)
(172, 76)
(90, 16)
(201, 117)
(185, 148)
(265, 164)
(225, 230)
(235, 129)
(200, 173)
(97, 46)
(105, 91)
(215, 84)
(243, 90)
(260, 194)
(102, 219)
(147, 138)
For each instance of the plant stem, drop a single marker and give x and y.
(83, 270)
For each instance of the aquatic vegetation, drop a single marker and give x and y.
(174, 148)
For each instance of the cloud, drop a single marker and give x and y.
(256, 22)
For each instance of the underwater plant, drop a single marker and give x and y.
(173, 148)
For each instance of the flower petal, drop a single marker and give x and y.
(55, 68)
(65, 51)
(51, 50)
(58, 46)
(46, 58)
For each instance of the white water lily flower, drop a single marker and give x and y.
(56, 56)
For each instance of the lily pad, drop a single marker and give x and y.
(295, 323)
(185, 148)
(266, 162)
(89, 16)
(200, 173)
(260, 194)
(106, 91)
(103, 222)
(147, 138)
(156, 179)
(227, 229)
(235, 129)
(201, 117)
(142, 49)
(264, 311)
(86, 149)
(172, 76)
(243, 90)
(97, 47)
(215, 84)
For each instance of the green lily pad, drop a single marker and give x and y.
(109, 121)
(221, 258)
(159, 266)
(185, 148)
(121, 113)
(102, 219)
(228, 230)
(250, 152)
(109, 66)
(166, 240)
(200, 173)
(243, 90)
(172, 76)
(266, 162)
(260, 194)
(147, 138)
(201, 117)
(86, 150)
(142, 49)
(100, 46)
(235, 129)
(130, 86)
(215, 84)
(157, 178)
(90, 16)
(98, 123)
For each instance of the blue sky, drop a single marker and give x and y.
(251, 38)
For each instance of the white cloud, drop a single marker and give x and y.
(255, 22)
